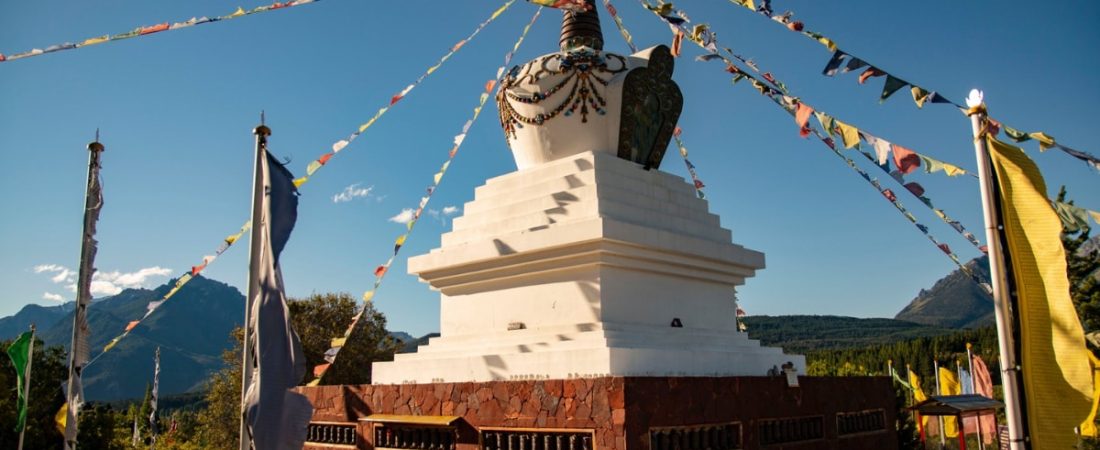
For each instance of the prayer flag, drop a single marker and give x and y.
(870, 72)
(906, 160)
(919, 96)
(20, 353)
(153, 429)
(275, 417)
(949, 385)
(848, 134)
(1057, 379)
(802, 118)
(983, 385)
(1088, 427)
(892, 85)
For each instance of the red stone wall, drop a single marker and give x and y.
(620, 410)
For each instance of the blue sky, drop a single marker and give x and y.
(176, 111)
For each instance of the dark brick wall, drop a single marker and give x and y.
(621, 410)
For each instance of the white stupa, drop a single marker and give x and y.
(587, 260)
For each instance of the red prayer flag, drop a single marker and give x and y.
(131, 325)
(324, 158)
(395, 99)
(677, 42)
(889, 195)
(983, 385)
(458, 45)
(381, 270)
(676, 131)
(906, 160)
(320, 369)
(154, 28)
(699, 184)
(611, 9)
(915, 188)
(870, 72)
(945, 248)
(802, 118)
(489, 85)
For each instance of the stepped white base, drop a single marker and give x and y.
(597, 351)
(578, 267)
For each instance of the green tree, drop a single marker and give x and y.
(48, 371)
(321, 317)
(317, 319)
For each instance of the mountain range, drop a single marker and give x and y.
(192, 329)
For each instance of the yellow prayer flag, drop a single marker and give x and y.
(1045, 141)
(848, 134)
(111, 344)
(338, 342)
(919, 96)
(368, 296)
(1095, 217)
(952, 170)
(238, 13)
(438, 176)
(828, 43)
(401, 239)
(315, 382)
(1088, 427)
(95, 40)
(1057, 378)
(298, 182)
(949, 385)
(59, 419)
(500, 10)
(918, 393)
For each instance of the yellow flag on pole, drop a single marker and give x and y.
(949, 385)
(1057, 378)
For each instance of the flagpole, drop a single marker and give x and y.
(92, 202)
(998, 272)
(936, 375)
(27, 385)
(258, 224)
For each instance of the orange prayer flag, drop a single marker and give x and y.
(906, 160)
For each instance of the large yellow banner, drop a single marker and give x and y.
(1057, 380)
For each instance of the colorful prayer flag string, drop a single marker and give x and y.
(893, 83)
(708, 41)
(381, 271)
(690, 167)
(619, 24)
(570, 5)
(341, 144)
(180, 282)
(151, 29)
(310, 169)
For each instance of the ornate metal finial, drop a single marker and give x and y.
(581, 29)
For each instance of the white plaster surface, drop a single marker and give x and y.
(592, 258)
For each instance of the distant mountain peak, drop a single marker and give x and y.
(955, 301)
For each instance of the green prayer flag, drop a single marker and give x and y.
(19, 352)
(894, 373)
(826, 122)
(892, 85)
(1016, 135)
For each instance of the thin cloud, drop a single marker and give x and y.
(52, 297)
(450, 210)
(351, 193)
(103, 283)
(403, 217)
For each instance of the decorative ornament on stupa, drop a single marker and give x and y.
(584, 99)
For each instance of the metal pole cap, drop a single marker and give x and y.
(262, 130)
(96, 147)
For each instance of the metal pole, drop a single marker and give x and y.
(27, 385)
(936, 375)
(92, 199)
(258, 224)
(1001, 304)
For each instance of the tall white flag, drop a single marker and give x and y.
(275, 417)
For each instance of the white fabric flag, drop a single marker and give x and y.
(275, 417)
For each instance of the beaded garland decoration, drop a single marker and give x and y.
(587, 73)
